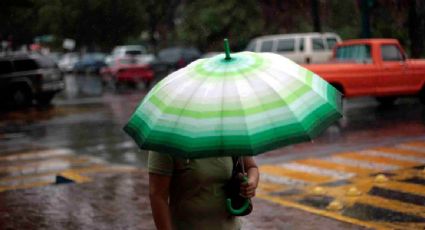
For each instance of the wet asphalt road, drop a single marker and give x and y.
(88, 119)
(85, 123)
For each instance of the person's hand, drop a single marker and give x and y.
(247, 188)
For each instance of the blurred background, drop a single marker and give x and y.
(100, 25)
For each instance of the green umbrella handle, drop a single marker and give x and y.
(241, 209)
(236, 211)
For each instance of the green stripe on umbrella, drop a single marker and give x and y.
(239, 106)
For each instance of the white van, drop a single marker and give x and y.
(302, 48)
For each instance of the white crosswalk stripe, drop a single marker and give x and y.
(361, 164)
(410, 147)
(317, 170)
(393, 156)
(282, 180)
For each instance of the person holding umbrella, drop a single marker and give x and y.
(189, 194)
(199, 117)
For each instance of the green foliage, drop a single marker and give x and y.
(206, 23)
(102, 24)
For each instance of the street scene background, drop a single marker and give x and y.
(66, 163)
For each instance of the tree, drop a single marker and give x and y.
(208, 22)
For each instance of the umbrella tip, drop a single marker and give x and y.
(227, 49)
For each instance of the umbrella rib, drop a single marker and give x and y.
(153, 123)
(288, 104)
(190, 98)
(261, 104)
(316, 93)
(244, 117)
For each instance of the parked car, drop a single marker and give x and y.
(90, 63)
(373, 67)
(24, 78)
(301, 48)
(67, 61)
(135, 51)
(127, 70)
(173, 58)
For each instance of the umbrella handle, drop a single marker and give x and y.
(241, 209)
(236, 211)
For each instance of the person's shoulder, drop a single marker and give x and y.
(160, 163)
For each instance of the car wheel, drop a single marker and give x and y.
(386, 101)
(20, 96)
(45, 99)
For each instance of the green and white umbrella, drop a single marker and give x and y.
(239, 105)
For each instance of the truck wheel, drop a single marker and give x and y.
(386, 101)
(45, 99)
(20, 97)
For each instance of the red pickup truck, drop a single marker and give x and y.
(373, 67)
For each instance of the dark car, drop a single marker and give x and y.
(26, 77)
(91, 63)
(173, 58)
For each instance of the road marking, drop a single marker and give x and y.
(30, 169)
(376, 159)
(413, 147)
(44, 165)
(283, 202)
(394, 156)
(405, 187)
(298, 175)
(282, 180)
(360, 163)
(36, 154)
(399, 151)
(398, 203)
(317, 170)
(335, 166)
(24, 186)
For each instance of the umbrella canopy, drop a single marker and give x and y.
(241, 105)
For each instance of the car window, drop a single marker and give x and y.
(318, 44)
(5, 67)
(286, 45)
(391, 53)
(301, 45)
(359, 53)
(266, 46)
(25, 65)
(133, 52)
(330, 41)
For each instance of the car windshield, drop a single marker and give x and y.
(357, 53)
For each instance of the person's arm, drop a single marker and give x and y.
(248, 189)
(159, 186)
